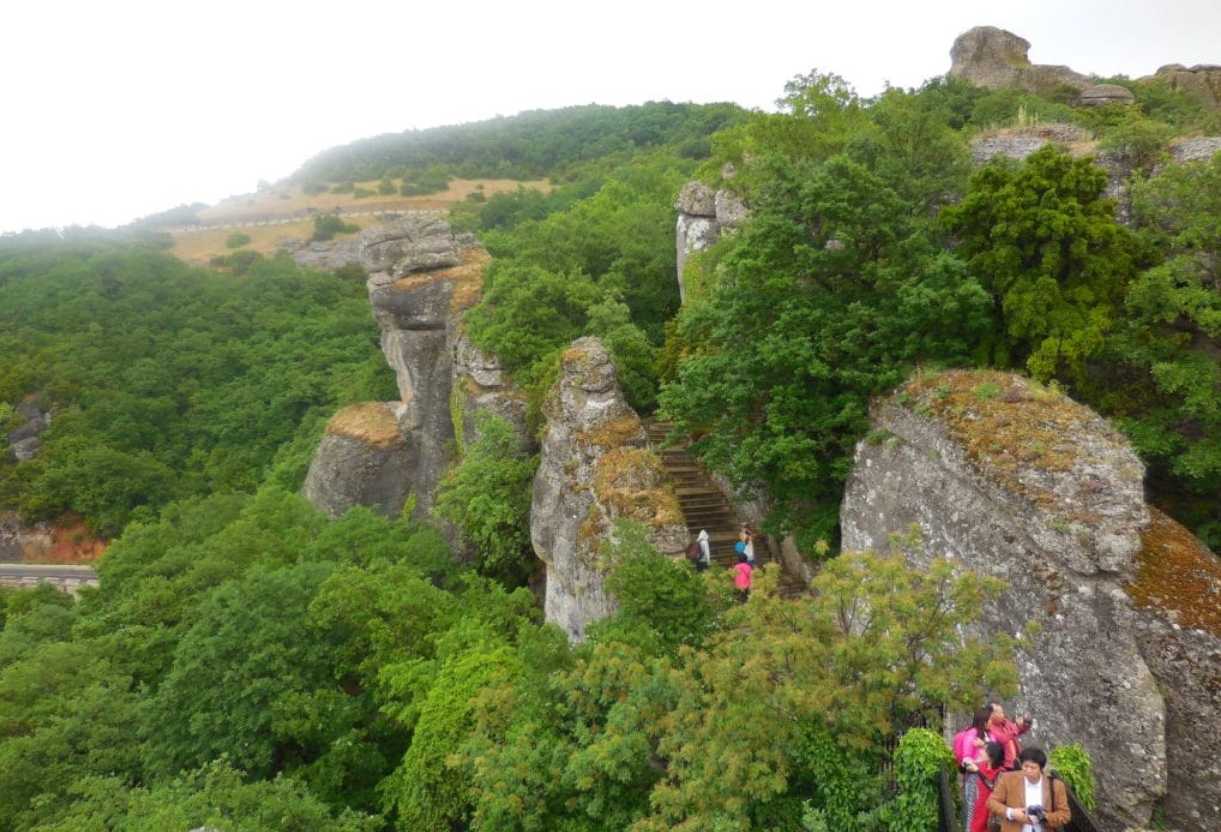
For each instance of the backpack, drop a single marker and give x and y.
(963, 744)
(694, 551)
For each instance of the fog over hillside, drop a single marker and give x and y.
(129, 111)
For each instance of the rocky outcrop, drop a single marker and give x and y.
(1202, 81)
(1019, 142)
(1177, 593)
(1018, 482)
(995, 58)
(1198, 149)
(23, 441)
(363, 460)
(703, 216)
(422, 279)
(595, 469)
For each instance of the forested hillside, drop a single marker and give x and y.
(248, 664)
(527, 145)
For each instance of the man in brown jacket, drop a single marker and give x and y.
(1028, 801)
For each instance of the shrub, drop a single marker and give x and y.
(326, 226)
(312, 188)
(361, 193)
(352, 271)
(343, 188)
(237, 239)
(428, 181)
(1074, 766)
(921, 756)
(386, 187)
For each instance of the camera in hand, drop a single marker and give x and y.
(1036, 813)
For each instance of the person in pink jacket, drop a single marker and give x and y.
(1006, 733)
(741, 577)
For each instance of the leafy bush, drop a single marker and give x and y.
(427, 181)
(921, 757)
(237, 239)
(326, 226)
(487, 495)
(362, 193)
(386, 187)
(1072, 763)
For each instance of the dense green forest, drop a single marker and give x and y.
(528, 145)
(249, 665)
(169, 381)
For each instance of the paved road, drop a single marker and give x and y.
(66, 578)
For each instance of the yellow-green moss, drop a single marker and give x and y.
(1005, 423)
(1176, 573)
(629, 481)
(614, 433)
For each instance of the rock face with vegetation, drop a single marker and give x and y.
(1019, 482)
(363, 460)
(1203, 81)
(995, 58)
(422, 281)
(703, 215)
(595, 469)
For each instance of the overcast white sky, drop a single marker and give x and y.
(113, 109)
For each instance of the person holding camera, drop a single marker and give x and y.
(1026, 800)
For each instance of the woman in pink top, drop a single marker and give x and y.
(1007, 733)
(741, 577)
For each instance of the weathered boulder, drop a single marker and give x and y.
(1203, 81)
(1019, 482)
(363, 460)
(595, 468)
(1100, 94)
(996, 58)
(1177, 593)
(412, 243)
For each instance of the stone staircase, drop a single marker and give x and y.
(705, 507)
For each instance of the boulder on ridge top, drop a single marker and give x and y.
(996, 58)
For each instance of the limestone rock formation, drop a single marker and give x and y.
(23, 441)
(595, 468)
(481, 385)
(363, 460)
(995, 58)
(1203, 81)
(1018, 482)
(1101, 94)
(703, 215)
